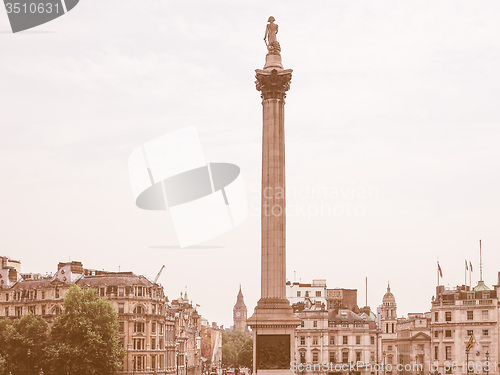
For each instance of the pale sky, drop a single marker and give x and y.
(392, 136)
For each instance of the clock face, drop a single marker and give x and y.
(238, 313)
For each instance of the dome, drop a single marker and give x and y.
(388, 297)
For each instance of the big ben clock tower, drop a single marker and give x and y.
(240, 314)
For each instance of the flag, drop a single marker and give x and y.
(440, 271)
(470, 344)
(470, 264)
(466, 266)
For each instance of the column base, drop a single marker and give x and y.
(273, 325)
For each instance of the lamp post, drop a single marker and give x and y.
(467, 354)
(29, 358)
(487, 362)
(383, 363)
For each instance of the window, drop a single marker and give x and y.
(302, 324)
(470, 332)
(153, 361)
(298, 293)
(372, 340)
(344, 340)
(485, 315)
(345, 356)
(358, 356)
(392, 327)
(153, 309)
(121, 308)
(436, 316)
(43, 294)
(436, 351)
(139, 343)
(6, 311)
(386, 327)
(486, 295)
(332, 340)
(470, 315)
(153, 327)
(153, 343)
(139, 327)
(302, 357)
(139, 310)
(302, 340)
(389, 348)
(307, 293)
(44, 310)
(447, 316)
(315, 357)
(315, 324)
(121, 291)
(372, 356)
(448, 353)
(19, 310)
(345, 324)
(332, 358)
(160, 328)
(57, 293)
(121, 327)
(318, 293)
(447, 333)
(358, 340)
(315, 340)
(485, 332)
(436, 334)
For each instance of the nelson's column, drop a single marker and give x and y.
(273, 322)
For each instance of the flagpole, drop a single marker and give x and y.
(438, 271)
(465, 271)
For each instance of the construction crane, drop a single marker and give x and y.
(159, 273)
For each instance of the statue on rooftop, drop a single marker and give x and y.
(270, 37)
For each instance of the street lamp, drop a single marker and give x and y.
(487, 362)
(29, 357)
(383, 363)
(416, 365)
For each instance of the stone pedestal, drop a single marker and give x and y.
(273, 322)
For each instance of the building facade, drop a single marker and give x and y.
(336, 333)
(159, 338)
(465, 327)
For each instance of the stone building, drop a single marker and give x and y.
(188, 336)
(240, 314)
(414, 343)
(158, 338)
(304, 292)
(336, 332)
(388, 333)
(464, 315)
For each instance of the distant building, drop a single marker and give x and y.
(334, 330)
(462, 315)
(414, 343)
(388, 335)
(153, 333)
(240, 314)
(310, 294)
(211, 346)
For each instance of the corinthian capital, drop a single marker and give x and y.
(273, 84)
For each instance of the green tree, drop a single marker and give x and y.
(85, 337)
(232, 344)
(23, 344)
(245, 355)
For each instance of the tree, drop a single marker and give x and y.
(84, 339)
(245, 355)
(23, 344)
(232, 345)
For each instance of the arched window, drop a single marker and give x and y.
(56, 310)
(139, 310)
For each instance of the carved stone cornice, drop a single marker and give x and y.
(273, 84)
